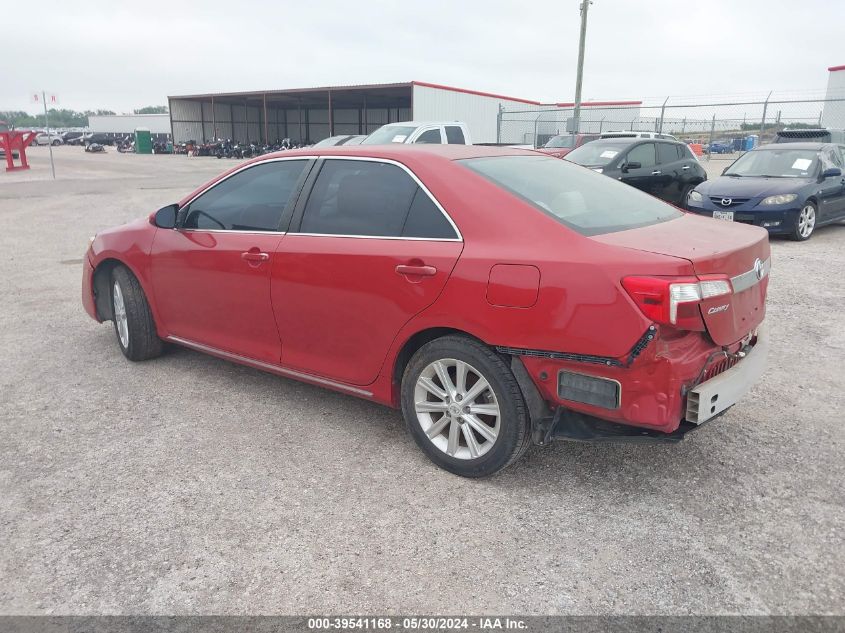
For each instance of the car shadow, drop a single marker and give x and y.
(634, 468)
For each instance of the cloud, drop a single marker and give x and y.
(97, 56)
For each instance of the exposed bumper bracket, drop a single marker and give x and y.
(573, 426)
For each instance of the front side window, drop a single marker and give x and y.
(455, 135)
(642, 154)
(431, 137)
(371, 199)
(581, 199)
(251, 200)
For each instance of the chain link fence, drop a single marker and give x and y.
(723, 127)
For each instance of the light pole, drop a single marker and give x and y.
(576, 115)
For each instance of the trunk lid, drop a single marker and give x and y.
(713, 247)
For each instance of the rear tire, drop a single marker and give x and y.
(132, 318)
(805, 223)
(464, 408)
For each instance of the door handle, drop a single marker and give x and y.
(253, 256)
(421, 271)
(655, 173)
(685, 167)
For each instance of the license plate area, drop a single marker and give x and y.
(723, 215)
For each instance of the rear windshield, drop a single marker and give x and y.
(561, 141)
(389, 134)
(579, 198)
(597, 154)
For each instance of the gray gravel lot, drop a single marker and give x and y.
(191, 485)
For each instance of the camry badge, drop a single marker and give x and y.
(758, 269)
(726, 202)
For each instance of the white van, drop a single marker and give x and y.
(432, 132)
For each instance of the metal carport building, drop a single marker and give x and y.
(307, 115)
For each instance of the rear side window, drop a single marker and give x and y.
(371, 199)
(667, 153)
(426, 220)
(642, 154)
(579, 198)
(455, 135)
(251, 200)
(431, 137)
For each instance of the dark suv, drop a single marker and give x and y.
(816, 135)
(665, 169)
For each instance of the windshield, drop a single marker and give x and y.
(389, 134)
(567, 140)
(579, 198)
(776, 163)
(596, 154)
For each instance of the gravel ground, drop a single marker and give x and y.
(191, 485)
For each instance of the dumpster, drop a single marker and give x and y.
(143, 141)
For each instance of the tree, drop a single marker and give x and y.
(152, 110)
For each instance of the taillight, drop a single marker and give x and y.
(674, 300)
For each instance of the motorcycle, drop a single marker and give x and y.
(126, 146)
(94, 147)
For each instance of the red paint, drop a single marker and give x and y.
(337, 309)
(835, 68)
(474, 92)
(339, 302)
(16, 141)
(513, 285)
(599, 104)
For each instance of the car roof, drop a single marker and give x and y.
(398, 151)
(420, 123)
(811, 146)
(631, 140)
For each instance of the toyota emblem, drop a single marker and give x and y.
(726, 202)
(758, 268)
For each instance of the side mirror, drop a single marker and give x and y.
(165, 218)
(831, 172)
(628, 166)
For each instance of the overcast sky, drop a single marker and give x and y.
(121, 56)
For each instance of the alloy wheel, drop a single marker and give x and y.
(457, 408)
(120, 318)
(807, 221)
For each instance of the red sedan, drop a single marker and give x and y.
(495, 295)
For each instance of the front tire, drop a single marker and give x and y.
(464, 408)
(132, 318)
(805, 223)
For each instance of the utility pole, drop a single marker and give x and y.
(576, 115)
(49, 138)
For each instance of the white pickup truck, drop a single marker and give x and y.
(433, 132)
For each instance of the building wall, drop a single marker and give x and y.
(833, 114)
(479, 111)
(195, 121)
(127, 124)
